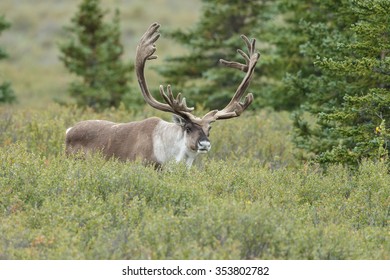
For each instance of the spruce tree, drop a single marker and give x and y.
(217, 35)
(6, 93)
(93, 52)
(350, 94)
(295, 45)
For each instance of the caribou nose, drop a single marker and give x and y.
(204, 146)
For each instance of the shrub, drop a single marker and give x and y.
(228, 206)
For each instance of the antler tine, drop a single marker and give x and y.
(236, 106)
(178, 104)
(251, 51)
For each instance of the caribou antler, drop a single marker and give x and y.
(235, 106)
(145, 51)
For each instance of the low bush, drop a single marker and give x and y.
(246, 200)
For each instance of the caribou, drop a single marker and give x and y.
(153, 140)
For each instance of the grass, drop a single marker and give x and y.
(247, 199)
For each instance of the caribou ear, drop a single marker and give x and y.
(179, 120)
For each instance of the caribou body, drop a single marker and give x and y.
(154, 140)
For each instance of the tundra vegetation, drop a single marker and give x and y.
(250, 197)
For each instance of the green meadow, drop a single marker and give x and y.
(249, 198)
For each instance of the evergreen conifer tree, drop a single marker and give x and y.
(293, 59)
(6, 93)
(350, 93)
(93, 53)
(280, 30)
(217, 33)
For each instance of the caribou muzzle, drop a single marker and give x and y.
(204, 146)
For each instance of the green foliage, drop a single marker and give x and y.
(6, 93)
(230, 205)
(350, 93)
(93, 53)
(217, 35)
(296, 40)
(281, 36)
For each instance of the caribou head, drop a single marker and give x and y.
(154, 140)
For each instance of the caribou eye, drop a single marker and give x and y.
(188, 130)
